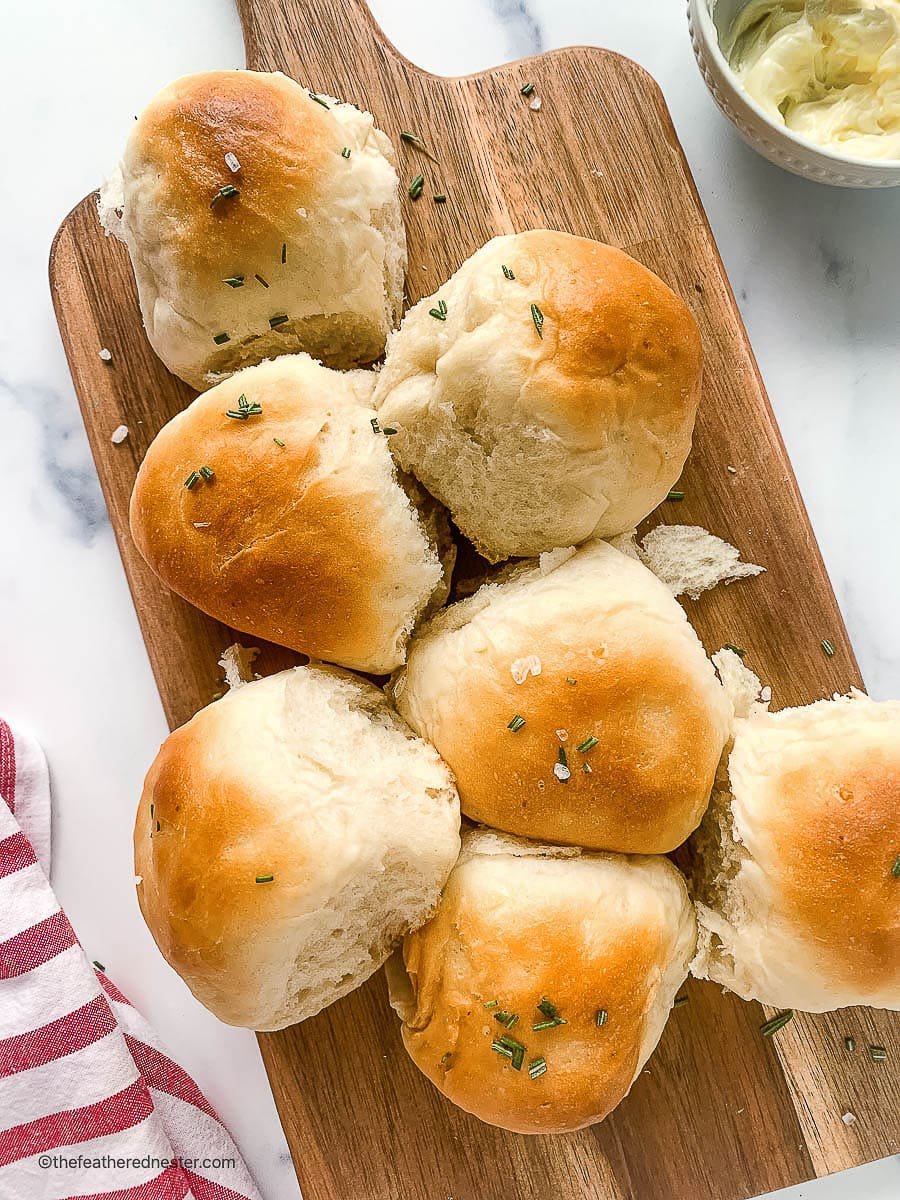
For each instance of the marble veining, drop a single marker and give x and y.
(817, 273)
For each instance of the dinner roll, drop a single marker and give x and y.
(540, 987)
(573, 702)
(272, 503)
(546, 393)
(798, 862)
(287, 837)
(260, 219)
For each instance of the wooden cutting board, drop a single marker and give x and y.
(720, 1113)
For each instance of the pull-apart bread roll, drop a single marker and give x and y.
(541, 986)
(545, 394)
(260, 220)
(273, 504)
(798, 861)
(574, 703)
(287, 838)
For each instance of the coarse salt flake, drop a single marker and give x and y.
(562, 772)
(562, 734)
(118, 435)
(231, 162)
(105, 355)
(523, 667)
(535, 104)
(849, 1118)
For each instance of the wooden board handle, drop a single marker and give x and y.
(315, 41)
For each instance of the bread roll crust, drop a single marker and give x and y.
(798, 903)
(316, 235)
(312, 544)
(521, 923)
(622, 674)
(308, 778)
(549, 407)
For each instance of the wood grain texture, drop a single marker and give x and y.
(719, 1113)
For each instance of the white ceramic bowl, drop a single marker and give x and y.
(769, 138)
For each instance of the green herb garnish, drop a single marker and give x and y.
(439, 198)
(776, 1023)
(492, 1004)
(275, 321)
(571, 681)
(228, 192)
(850, 1043)
(680, 1001)
(828, 647)
(511, 1049)
(192, 479)
(538, 317)
(207, 473)
(319, 100)
(537, 1067)
(527, 89)
(878, 1054)
(516, 723)
(588, 744)
(673, 495)
(278, 442)
(376, 428)
(507, 272)
(99, 965)
(602, 1016)
(221, 338)
(735, 649)
(345, 153)
(259, 279)
(895, 869)
(587, 768)
(234, 281)
(416, 187)
(506, 1019)
(284, 252)
(551, 1012)
(439, 313)
(264, 878)
(389, 431)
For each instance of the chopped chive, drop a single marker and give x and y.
(221, 338)
(674, 495)
(570, 681)
(192, 479)
(776, 1023)
(527, 89)
(152, 806)
(895, 869)
(492, 1004)
(240, 414)
(376, 428)
(439, 313)
(207, 473)
(587, 768)
(275, 321)
(878, 1054)
(602, 1016)
(850, 1043)
(547, 1007)
(264, 878)
(537, 1067)
(550, 1023)
(243, 402)
(234, 281)
(319, 100)
(439, 198)
(735, 649)
(284, 252)
(445, 1058)
(389, 431)
(278, 442)
(828, 647)
(516, 723)
(412, 138)
(538, 317)
(416, 187)
(588, 744)
(260, 279)
(99, 965)
(564, 760)
(224, 193)
(158, 827)
(345, 153)
(680, 1001)
(506, 1019)
(511, 1049)
(507, 272)
(561, 766)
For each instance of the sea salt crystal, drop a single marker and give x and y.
(731, 470)
(535, 104)
(523, 667)
(849, 1118)
(562, 772)
(105, 354)
(231, 162)
(765, 695)
(119, 435)
(562, 734)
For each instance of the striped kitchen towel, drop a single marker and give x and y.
(90, 1104)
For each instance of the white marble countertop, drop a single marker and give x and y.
(817, 274)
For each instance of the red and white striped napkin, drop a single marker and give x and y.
(90, 1105)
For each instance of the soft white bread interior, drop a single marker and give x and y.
(796, 864)
(545, 394)
(307, 252)
(287, 837)
(303, 535)
(589, 948)
(690, 560)
(573, 702)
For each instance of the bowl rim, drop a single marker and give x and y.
(711, 37)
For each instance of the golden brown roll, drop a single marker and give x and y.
(272, 503)
(545, 394)
(260, 220)
(540, 987)
(798, 861)
(287, 838)
(573, 702)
